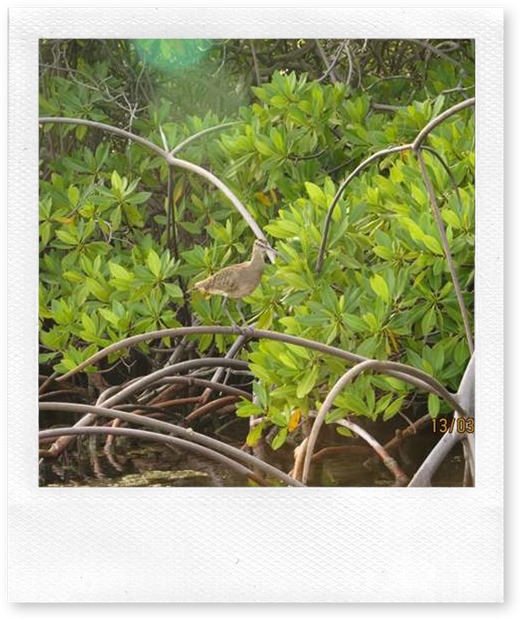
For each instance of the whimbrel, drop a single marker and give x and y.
(237, 281)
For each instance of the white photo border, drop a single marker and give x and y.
(253, 545)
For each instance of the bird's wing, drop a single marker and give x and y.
(224, 282)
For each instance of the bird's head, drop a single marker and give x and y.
(264, 247)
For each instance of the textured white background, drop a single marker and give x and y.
(245, 545)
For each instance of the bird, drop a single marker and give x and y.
(237, 281)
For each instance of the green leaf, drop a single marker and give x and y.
(81, 130)
(45, 232)
(439, 104)
(433, 244)
(306, 384)
(133, 215)
(278, 417)
(116, 181)
(396, 175)
(174, 291)
(43, 358)
(433, 405)
(73, 276)
(461, 352)
(414, 229)
(368, 348)
(370, 319)
(383, 252)
(139, 198)
(263, 145)
(110, 316)
(117, 271)
(451, 218)
(88, 324)
(393, 409)
(115, 218)
(351, 402)
(419, 195)
(73, 194)
(383, 402)
(284, 229)
(65, 365)
(288, 360)
(260, 372)
(246, 409)
(154, 263)
(428, 321)
(316, 195)
(97, 289)
(295, 280)
(254, 435)
(298, 350)
(379, 286)
(277, 140)
(355, 322)
(317, 96)
(67, 237)
(345, 432)
(279, 439)
(261, 393)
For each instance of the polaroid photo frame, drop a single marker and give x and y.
(292, 545)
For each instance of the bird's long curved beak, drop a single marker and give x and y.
(271, 253)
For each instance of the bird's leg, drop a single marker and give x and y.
(244, 322)
(245, 327)
(227, 312)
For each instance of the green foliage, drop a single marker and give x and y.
(109, 269)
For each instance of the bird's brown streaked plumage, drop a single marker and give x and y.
(237, 281)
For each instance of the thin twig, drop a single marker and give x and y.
(458, 89)
(255, 63)
(447, 169)
(211, 406)
(387, 79)
(400, 435)
(436, 51)
(324, 453)
(171, 224)
(385, 107)
(325, 60)
(332, 64)
(350, 62)
(210, 384)
(47, 382)
(446, 249)
(401, 478)
(202, 133)
(230, 354)
(299, 454)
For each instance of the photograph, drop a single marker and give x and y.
(256, 305)
(256, 262)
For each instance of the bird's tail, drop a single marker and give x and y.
(201, 286)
